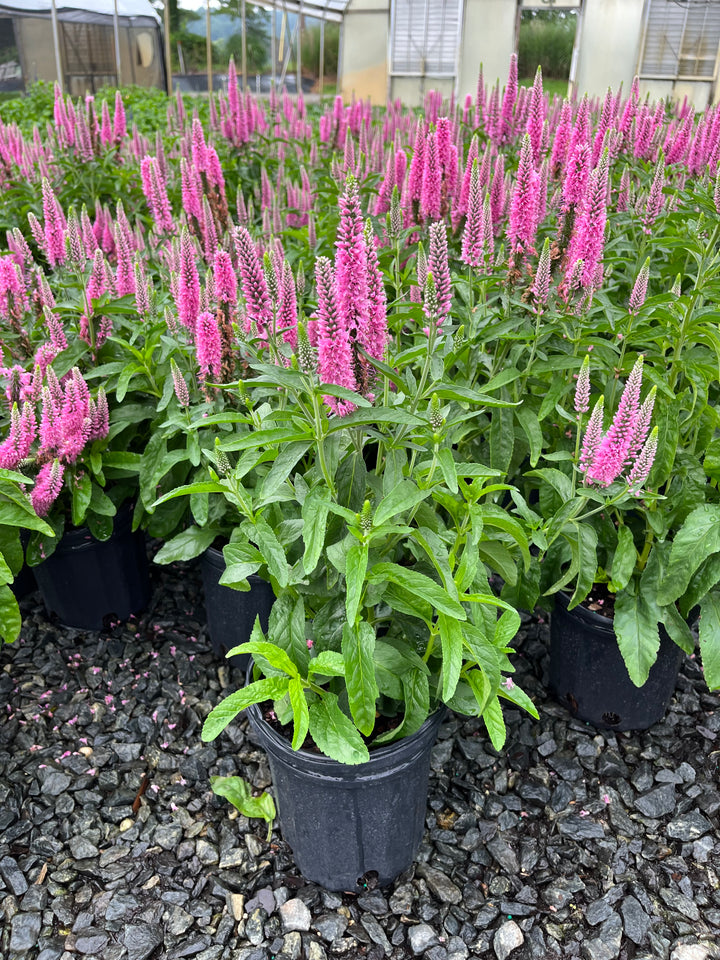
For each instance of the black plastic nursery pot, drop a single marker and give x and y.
(589, 677)
(231, 613)
(344, 822)
(24, 583)
(87, 582)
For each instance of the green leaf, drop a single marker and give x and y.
(493, 718)
(81, 496)
(272, 551)
(334, 733)
(287, 629)
(636, 628)
(698, 538)
(122, 460)
(358, 648)
(10, 619)
(515, 694)
(241, 560)
(502, 439)
(404, 496)
(274, 654)
(506, 628)
(419, 584)
(11, 549)
(710, 638)
(416, 695)
(528, 420)
(328, 663)
(677, 628)
(585, 543)
(624, 559)
(494, 516)
(703, 580)
(554, 478)
(447, 465)
(282, 467)
(314, 514)
(270, 688)
(186, 545)
(451, 638)
(301, 715)
(356, 562)
(239, 793)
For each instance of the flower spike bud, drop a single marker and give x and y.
(593, 436)
(366, 518)
(396, 220)
(271, 278)
(300, 278)
(643, 465)
(541, 285)
(431, 305)
(639, 291)
(677, 286)
(48, 485)
(435, 414)
(179, 384)
(307, 359)
(582, 388)
(222, 461)
(421, 266)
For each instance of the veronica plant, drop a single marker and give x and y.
(374, 536)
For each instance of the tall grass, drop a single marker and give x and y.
(546, 41)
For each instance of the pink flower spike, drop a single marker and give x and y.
(47, 487)
(612, 453)
(643, 465)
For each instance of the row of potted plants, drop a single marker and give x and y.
(413, 395)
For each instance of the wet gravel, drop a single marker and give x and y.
(573, 843)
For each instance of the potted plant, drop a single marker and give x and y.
(620, 568)
(350, 496)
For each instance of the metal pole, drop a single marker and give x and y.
(298, 65)
(322, 56)
(208, 47)
(273, 47)
(244, 47)
(168, 67)
(56, 44)
(116, 33)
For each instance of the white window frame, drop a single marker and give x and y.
(448, 67)
(690, 8)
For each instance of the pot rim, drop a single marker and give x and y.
(591, 617)
(386, 758)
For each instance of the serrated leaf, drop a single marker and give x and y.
(186, 545)
(624, 559)
(301, 716)
(418, 584)
(356, 561)
(495, 723)
(404, 496)
(314, 515)
(447, 465)
(698, 538)
(451, 639)
(334, 733)
(239, 793)
(270, 688)
(10, 619)
(328, 663)
(710, 638)
(358, 648)
(636, 628)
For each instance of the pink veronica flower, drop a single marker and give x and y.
(254, 286)
(614, 448)
(208, 345)
(523, 221)
(438, 266)
(48, 485)
(23, 429)
(188, 289)
(335, 354)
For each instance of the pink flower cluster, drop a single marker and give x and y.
(70, 420)
(604, 457)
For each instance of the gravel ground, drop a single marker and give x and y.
(572, 844)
